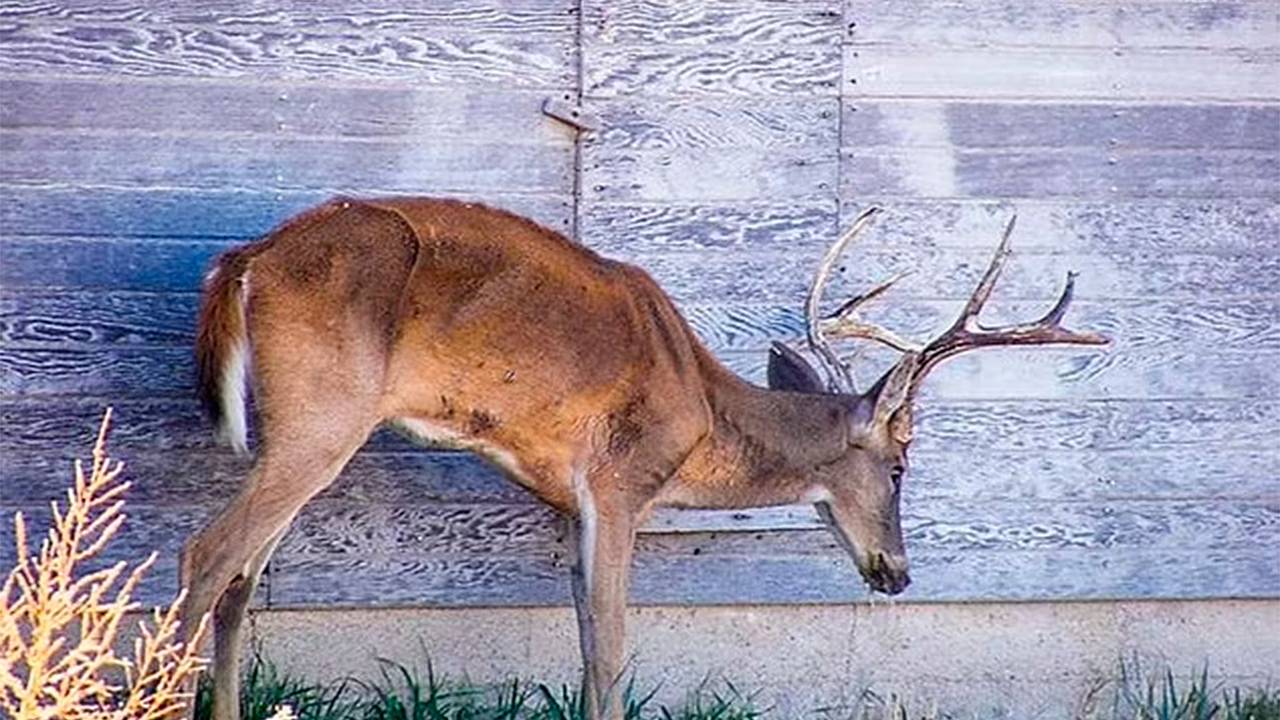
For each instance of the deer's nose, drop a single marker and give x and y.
(887, 574)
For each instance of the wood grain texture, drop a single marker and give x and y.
(442, 58)
(963, 124)
(953, 273)
(671, 71)
(1123, 374)
(58, 319)
(1054, 23)
(1067, 73)
(693, 579)
(284, 109)
(53, 425)
(510, 18)
(237, 214)
(642, 123)
(1058, 224)
(949, 172)
(715, 174)
(735, 23)
(942, 476)
(340, 165)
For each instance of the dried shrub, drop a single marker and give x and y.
(58, 624)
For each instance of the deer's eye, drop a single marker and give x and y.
(895, 477)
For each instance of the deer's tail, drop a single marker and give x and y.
(222, 348)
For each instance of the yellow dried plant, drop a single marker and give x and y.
(58, 627)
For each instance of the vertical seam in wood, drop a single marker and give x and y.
(580, 60)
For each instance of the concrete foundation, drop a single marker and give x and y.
(1026, 660)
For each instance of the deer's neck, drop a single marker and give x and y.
(763, 445)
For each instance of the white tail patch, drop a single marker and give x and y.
(233, 384)
(234, 429)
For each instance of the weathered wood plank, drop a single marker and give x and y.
(341, 165)
(493, 17)
(53, 319)
(1054, 23)
(145, 530)
(1122, 374)
(287, 109)
(354, 530)
(148, 426)
(948, 273)
(637, 124)
(1068, 73)
(1249, 325)
(714, 174)
(1063, 225)
(683, 71)
(1110, 127)
(1050, 172)
(443, 57)
(238, 214)
(1216, 226)
(742, 22)
(77, 319)
(96, 263)
(200, 478)
(685, 579)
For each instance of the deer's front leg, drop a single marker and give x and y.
(604, 537)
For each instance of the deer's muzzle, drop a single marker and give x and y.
(886, 574)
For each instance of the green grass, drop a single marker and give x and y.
(404, 693)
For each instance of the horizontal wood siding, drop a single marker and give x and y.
(1138, 143)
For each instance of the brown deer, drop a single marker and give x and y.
(469, 327)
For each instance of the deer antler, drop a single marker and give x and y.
(966, 333)
(838, 377)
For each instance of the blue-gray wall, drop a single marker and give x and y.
(1139, 143)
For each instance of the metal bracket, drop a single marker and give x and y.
(570, 114)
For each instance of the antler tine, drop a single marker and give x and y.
(968, 334)
(844, 323)
(837, 374)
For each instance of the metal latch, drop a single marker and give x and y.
(571, 114)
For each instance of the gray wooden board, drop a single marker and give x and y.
(642, 123)
(953, 273)
(239, 214)
(39, 317)
(739, 278)
(355, 165)
(701, 568)
(1053, 172)
(506, 18)
(286, 109)
(145, 531)
(326, 528)
(1063, 225)
(695, 579)
(445, 57)
(781, 72)
(207, 477)
(1060, 125)
(713, 174)
(1059, 23)
(129, 372)
(736, 23)
(59, 425)
(1067, 73)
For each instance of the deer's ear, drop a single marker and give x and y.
(890, 395)
(788, 370)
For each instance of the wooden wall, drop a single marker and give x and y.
(1138, 142)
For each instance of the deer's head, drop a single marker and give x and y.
(859, 493)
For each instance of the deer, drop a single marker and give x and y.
(468, 327)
